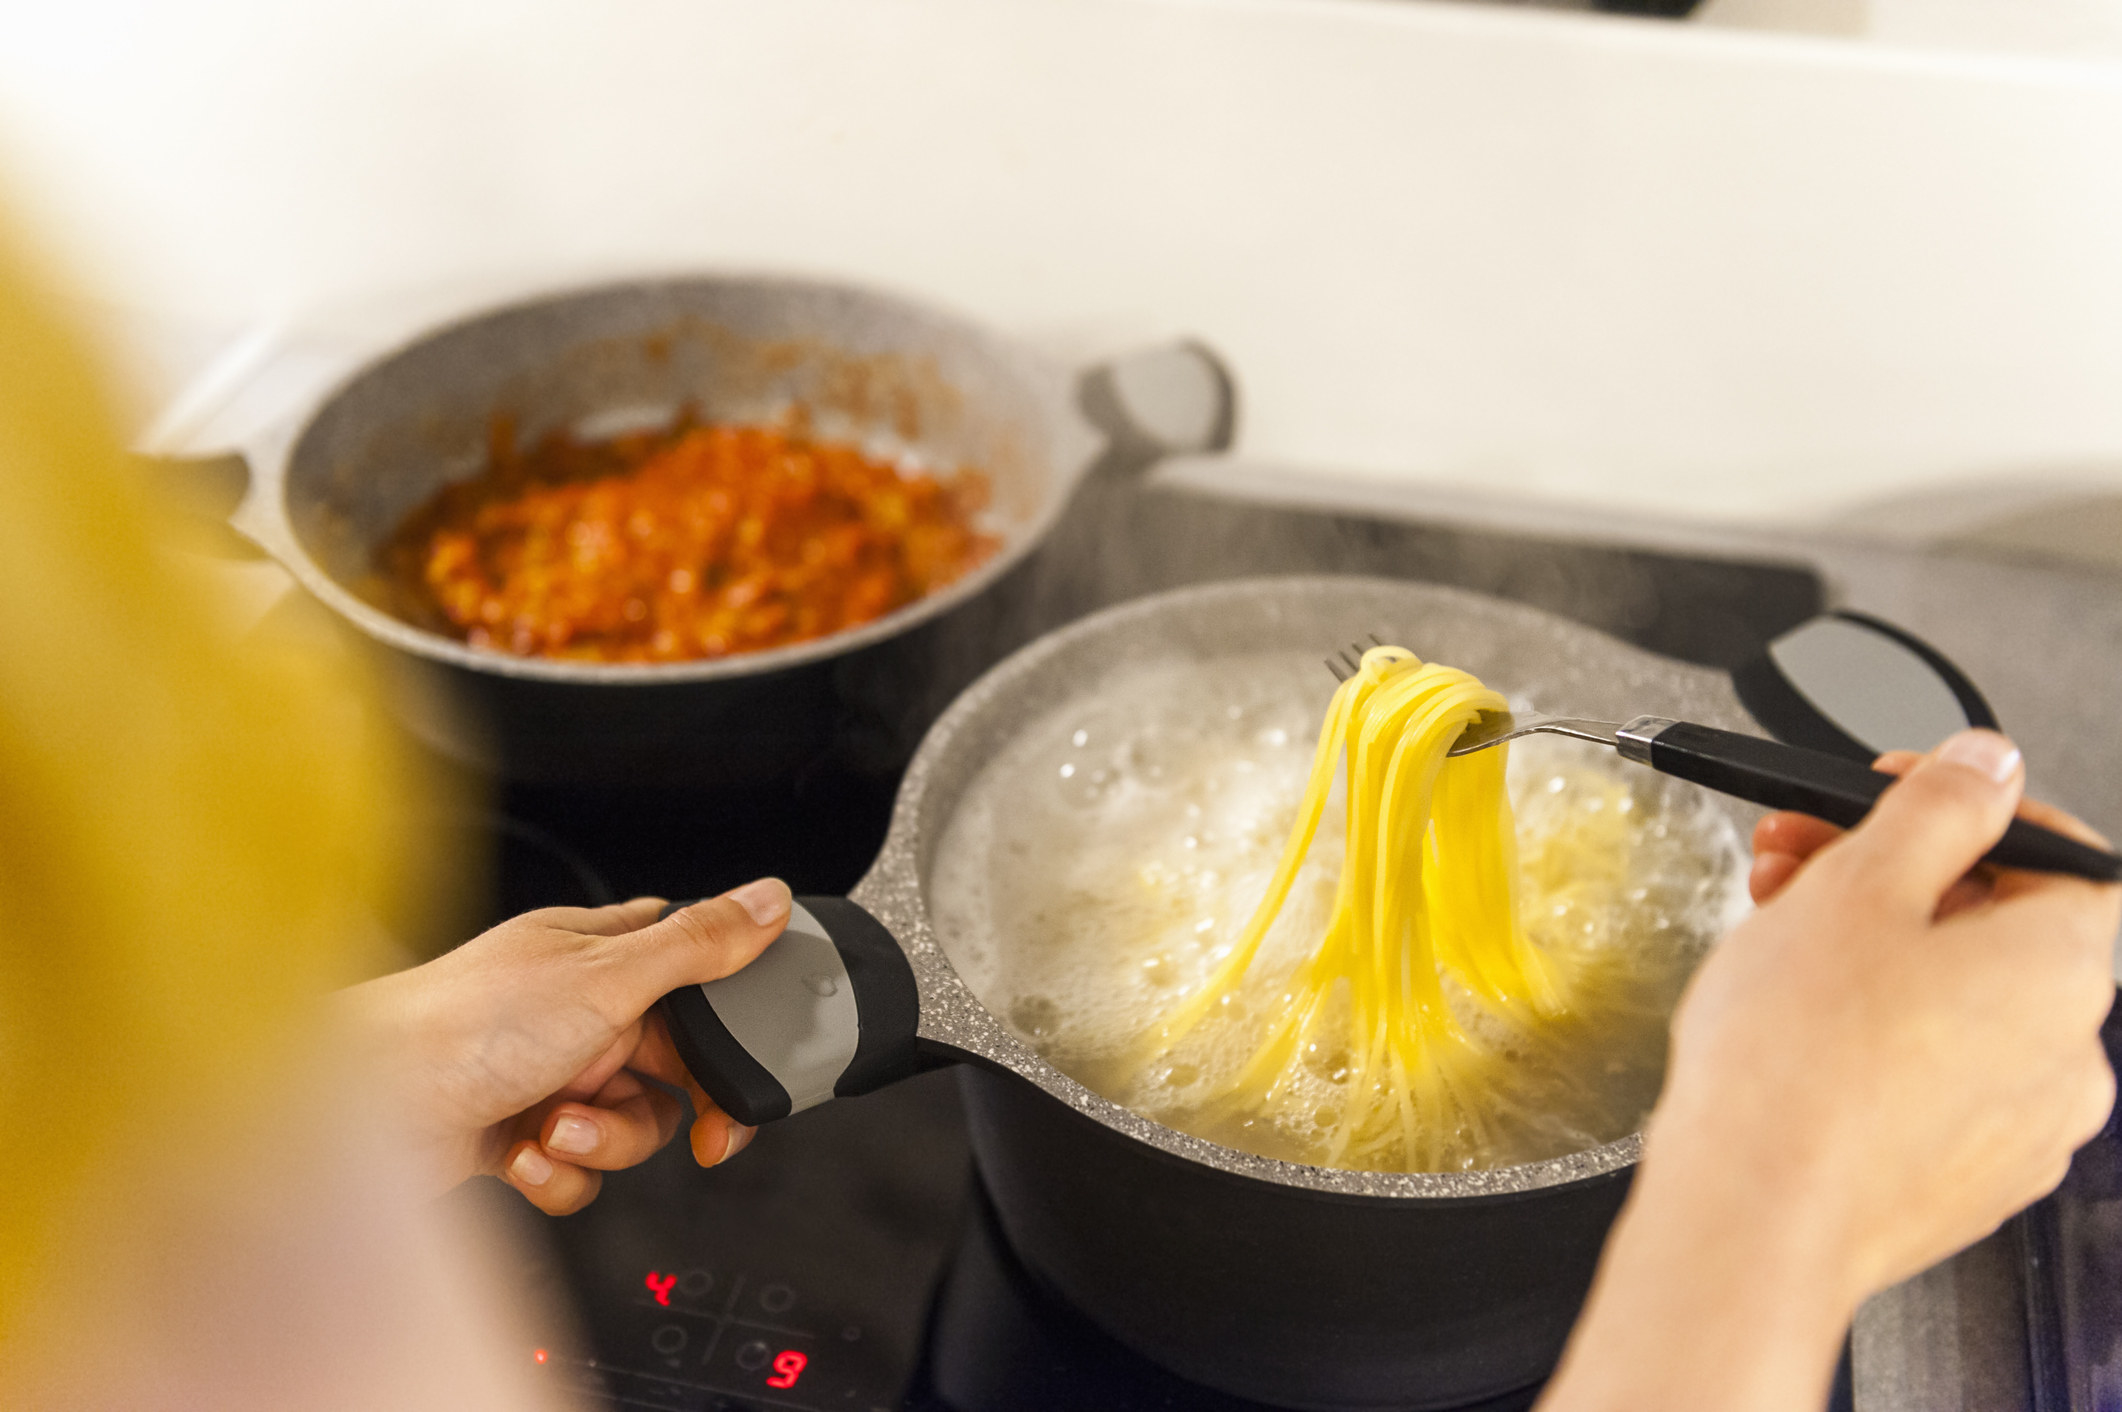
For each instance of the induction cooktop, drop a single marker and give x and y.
(847, 1259)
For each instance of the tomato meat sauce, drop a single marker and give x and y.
(693, 541)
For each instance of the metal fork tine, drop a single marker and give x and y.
(1348, 661)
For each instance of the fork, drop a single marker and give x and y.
(1762, 771)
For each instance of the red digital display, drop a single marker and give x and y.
(788, 1366)
(661, 1286)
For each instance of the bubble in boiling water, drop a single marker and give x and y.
(1035, 1017)
(1083, 783)
(1152, 755)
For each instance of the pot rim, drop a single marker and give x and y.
(954, 1020)
(266, 518)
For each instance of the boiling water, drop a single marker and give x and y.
(1102, 865)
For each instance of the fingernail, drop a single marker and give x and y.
(574, 1135)
(740, 1137)
(766, 900)
(531, 1167)
(1985, 751)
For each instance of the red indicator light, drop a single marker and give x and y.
(661, 1286)
(537, 1355)
(788, 1366)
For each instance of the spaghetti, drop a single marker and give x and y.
(1424, 911)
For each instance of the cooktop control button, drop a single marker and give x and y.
(694, 1284)
(662, 1394)
(752, 1355)
(777, 1299)
(668, 1340)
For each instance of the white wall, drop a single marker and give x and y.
(1645, 264)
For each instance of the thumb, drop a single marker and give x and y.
(706, 940)
(1938, 820)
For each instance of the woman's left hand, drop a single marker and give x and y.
(534, 1052)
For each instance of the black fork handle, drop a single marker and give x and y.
(1829, 787)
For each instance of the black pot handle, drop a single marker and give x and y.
(1828, 787)
(828, 1010)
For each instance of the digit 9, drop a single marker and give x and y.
(788, 1366)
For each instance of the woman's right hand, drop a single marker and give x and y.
(1896, 1052)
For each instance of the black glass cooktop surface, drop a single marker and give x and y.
(846, 1260)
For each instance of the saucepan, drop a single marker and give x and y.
(327, 488)
(1289, 1284)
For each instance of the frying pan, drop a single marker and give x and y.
(1285, 1283)
(322, 491)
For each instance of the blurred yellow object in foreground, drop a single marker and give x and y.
(195, 834)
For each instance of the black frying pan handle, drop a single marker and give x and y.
(1829, 787)
(828, 1010)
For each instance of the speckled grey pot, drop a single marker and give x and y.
(331, 484)
(1288, 1284)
